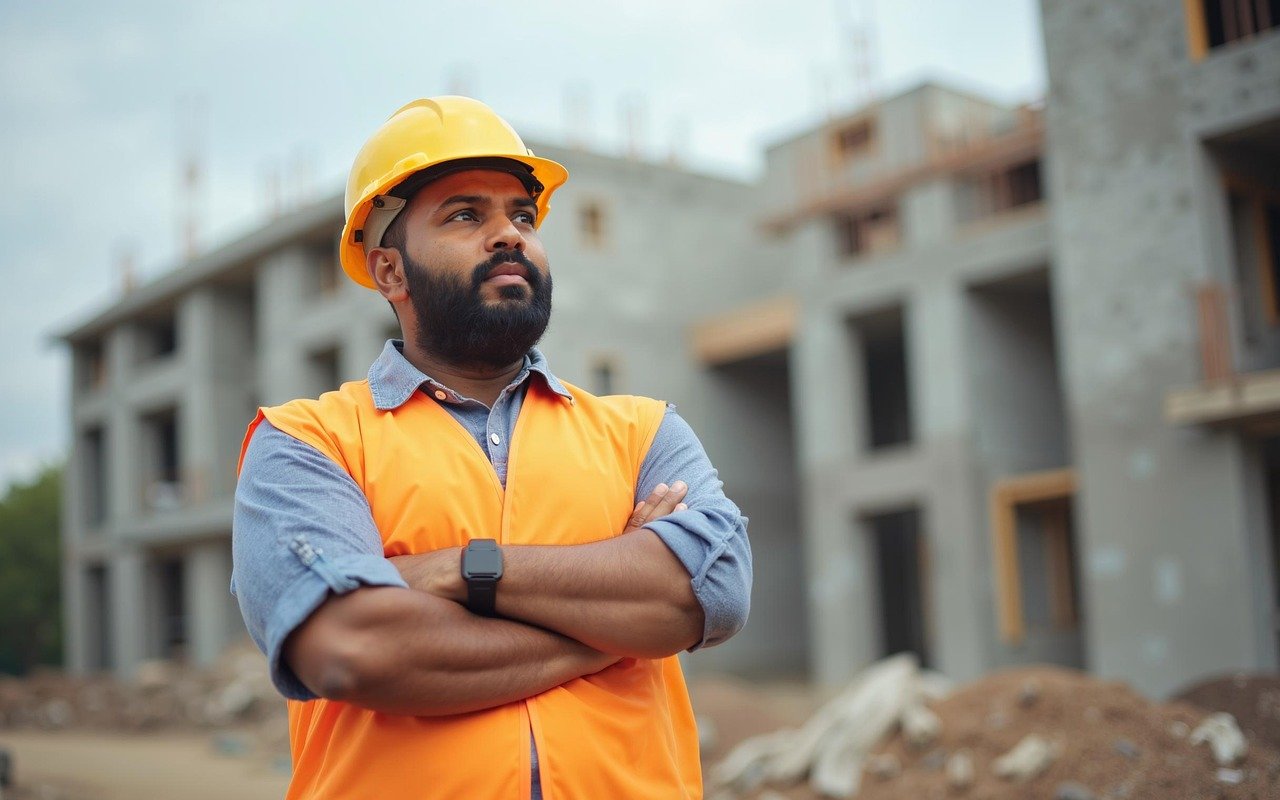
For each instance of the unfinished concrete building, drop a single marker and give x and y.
(995, 384)
(167, 378)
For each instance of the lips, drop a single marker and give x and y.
(510, 268)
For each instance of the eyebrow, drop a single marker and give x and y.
(476, 200)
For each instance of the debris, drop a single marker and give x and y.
(1027, 759)
(884, 766)
(1029, 693)
(1179, 729)
(919, 724)
(1127, 749)
(708, 734)
(1071, 790)
(1223, 736)
(960, 770)
(934, 760)
(1231, 776)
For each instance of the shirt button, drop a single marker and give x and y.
(495, 438)
(440, 395)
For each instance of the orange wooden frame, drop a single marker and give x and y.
(1006, 495)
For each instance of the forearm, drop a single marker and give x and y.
(405, 652)
(628, 595)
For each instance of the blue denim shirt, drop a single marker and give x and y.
(302, 528)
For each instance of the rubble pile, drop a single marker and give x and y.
(235, 692)
(1034, 732)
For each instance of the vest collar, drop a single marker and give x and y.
(393, 380)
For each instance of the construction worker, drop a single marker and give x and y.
(470, 578)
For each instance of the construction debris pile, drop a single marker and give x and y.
(233, 695)
(897, 732)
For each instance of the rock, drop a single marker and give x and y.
(960, 770)
(1026, 760)
(1179, 729)
(1028, 694)
(1223, 736)
(152, 675)
(1231, 776)
(1070, 790)
(56, 713)
(884, 766)
(708, 735)
(920, 725)
(934, 760)
(1127, 749)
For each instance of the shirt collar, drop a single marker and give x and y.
(393, 380)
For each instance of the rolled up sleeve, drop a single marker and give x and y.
(710, 538)
(301, 530)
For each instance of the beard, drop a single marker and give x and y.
(457, 325)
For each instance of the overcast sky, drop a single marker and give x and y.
(91, 96)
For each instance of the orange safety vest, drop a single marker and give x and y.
(625, 732)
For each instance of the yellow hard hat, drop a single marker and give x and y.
(430, 138)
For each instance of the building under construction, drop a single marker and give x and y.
(995, 384)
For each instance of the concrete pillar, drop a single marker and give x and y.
(961, 602)
(127, 594)
(281, 292)
(75, 607)
(124, 435)
(215, 327)
(208, 600)
(828, 441)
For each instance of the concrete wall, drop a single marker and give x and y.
(1162, 511)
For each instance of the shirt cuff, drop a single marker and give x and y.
(308, 591)
(721, 582)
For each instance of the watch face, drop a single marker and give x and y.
(482, 564)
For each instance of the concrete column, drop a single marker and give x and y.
(281, 289)
(828, 435)
(123, 433)
(961, 602)
(208, 600)
(75, 606)
(126, 583)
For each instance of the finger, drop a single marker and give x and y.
(681, 507)
(669, 500)
(644, 510)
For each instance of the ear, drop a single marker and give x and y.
(387, 269)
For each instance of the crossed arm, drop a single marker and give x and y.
(567, 612)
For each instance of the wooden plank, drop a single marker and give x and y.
(751, 331)
(1197, 32)
(1004, 545)
(1215, 338)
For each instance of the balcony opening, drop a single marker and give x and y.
(90, 366)
(591, 224)
(93, 454)
(901, 562)
(998, 191)
(854, 139)
(162, 461)
(326, 275)
(158, 339)
(1221, 22)
(170, 634)
(323, 371)
(1270, 462)
(98, 653)
(880, 338)
(867, 233)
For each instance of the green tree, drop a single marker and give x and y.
(30, 596)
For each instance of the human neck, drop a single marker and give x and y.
(480, 382)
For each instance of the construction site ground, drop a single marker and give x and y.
(222, 734)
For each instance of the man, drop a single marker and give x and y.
(470, 578)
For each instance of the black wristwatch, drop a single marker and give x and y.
(482, 569)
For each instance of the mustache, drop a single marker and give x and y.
(480, 273)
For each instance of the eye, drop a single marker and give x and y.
(466, 215)
(526, 217)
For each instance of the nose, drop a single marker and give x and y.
(505, 236)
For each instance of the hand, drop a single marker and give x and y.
(438, 572)
(663, 500)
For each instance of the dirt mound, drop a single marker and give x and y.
(1105, 740)
(1254, 700)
